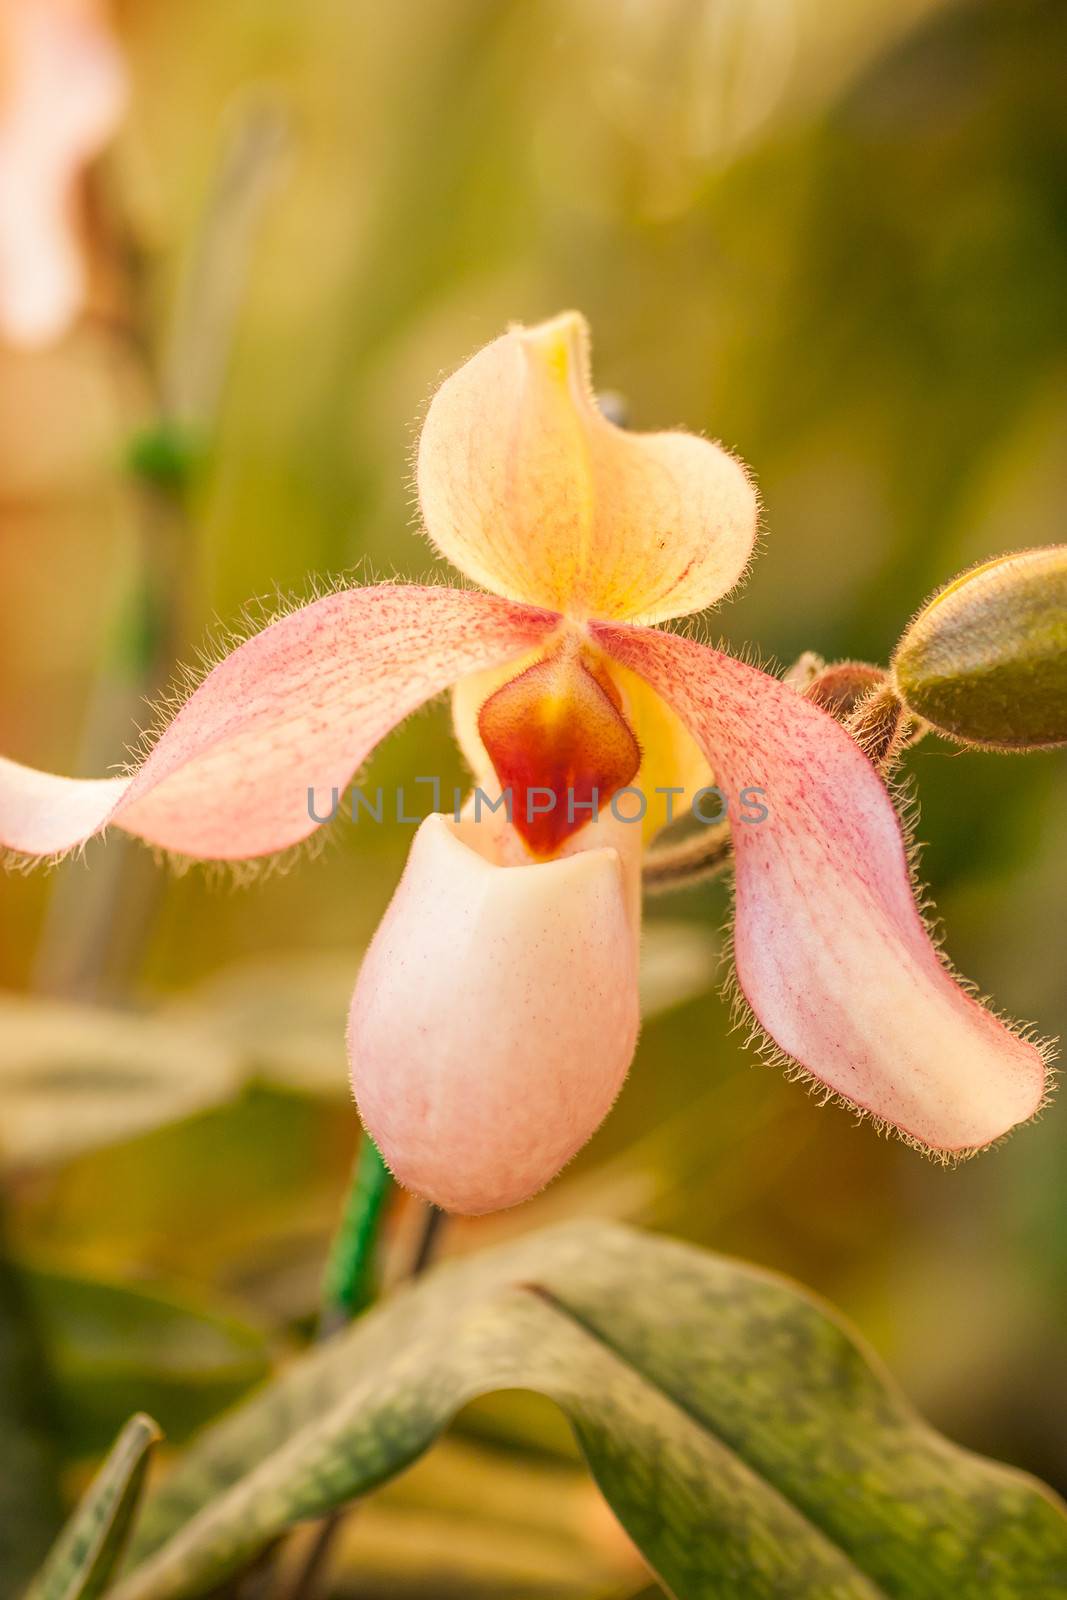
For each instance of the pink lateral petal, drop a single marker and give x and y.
(495, 1016)
(297, 706)
(831, 950)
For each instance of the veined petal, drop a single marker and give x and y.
(832, 954)
(62, 93)
(529, 490)
(297, 707)
(495, 1016)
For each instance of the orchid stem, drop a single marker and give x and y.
(426, 1249)
(349, 1282)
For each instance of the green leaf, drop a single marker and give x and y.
(252, 1182)
(744, 1440)
(985, 661)
(282, 1016)
(90, 1545)
(111, 1346)
(30, 1505)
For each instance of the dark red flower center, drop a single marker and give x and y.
(558, 739)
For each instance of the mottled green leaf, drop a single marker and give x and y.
(744, 1440)
(108, 1344)
(87, 1550)
(986, 659)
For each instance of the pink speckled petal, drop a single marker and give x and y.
(832, 954)
(495, 1016)
(62, 95)
(297, 706)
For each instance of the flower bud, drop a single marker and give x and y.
(862, 698)
(985, 661)
(840, 686)
(883, 727)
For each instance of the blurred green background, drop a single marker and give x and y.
(832, 234)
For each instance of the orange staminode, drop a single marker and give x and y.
(558, 728)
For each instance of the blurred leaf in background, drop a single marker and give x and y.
(74, 1077)
(30, 1505)
(112, 1347)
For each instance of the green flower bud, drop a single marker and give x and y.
(985, 661)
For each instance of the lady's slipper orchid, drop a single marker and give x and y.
(62, 92)
(495, 1015)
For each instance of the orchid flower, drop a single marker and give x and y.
(62, 93)
(496, 1013)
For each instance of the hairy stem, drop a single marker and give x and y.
(693, 860)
